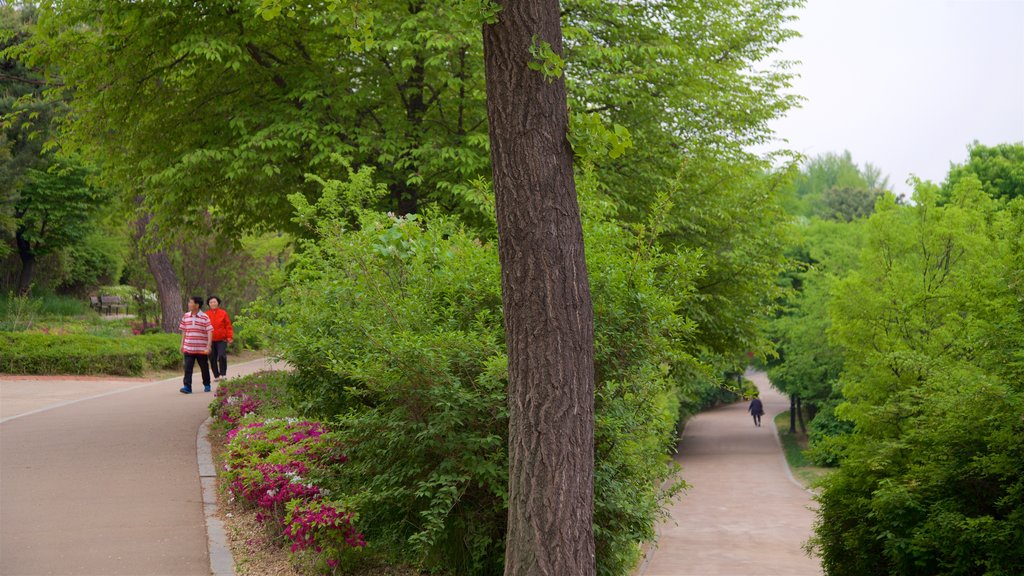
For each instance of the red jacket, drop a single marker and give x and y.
(221, 324)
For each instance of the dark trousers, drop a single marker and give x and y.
(219, 362)
(757, 419)
(204, 367)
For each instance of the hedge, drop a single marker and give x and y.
(29, 353)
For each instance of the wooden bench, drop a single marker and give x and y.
(111, 304)
(94, 303)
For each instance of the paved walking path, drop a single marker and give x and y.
(99, 477)
(743, 515)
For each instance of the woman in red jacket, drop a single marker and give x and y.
(222, 336)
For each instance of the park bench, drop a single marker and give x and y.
(111, 304)
(94, 303)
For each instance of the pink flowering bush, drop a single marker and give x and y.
(256, 393)
(323, 528)
(276, 465)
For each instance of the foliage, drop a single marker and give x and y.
(47, 204)
(31, 353)
(272, 91)
(19, 312)
(262, 393)
(55, 207)
(394, 327)
(832, 186)
(211, 264)
(276, 465)
(931, 323)
(808, 365)
(1000, 169)
(94, 260)
(395, 332)
(279, 90)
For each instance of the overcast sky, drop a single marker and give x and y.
(907, 84)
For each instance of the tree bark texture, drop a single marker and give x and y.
(28, 265)
(168, 288)
(546, 296)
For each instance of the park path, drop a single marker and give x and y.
(100, 478)
(743, 515)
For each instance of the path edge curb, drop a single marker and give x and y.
(222, 563)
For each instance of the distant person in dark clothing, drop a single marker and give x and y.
(756, 410)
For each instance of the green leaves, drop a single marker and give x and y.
(923, 321)
(545, 60)
(592, 140)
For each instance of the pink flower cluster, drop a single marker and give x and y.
(234, 408)
(313, 524)
(269, 464)
(240, 397)
(276, 485)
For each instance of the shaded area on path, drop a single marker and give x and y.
(105, 485)
(743, 515)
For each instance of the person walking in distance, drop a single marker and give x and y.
(222, 336)
(756, 409)
(196, 339)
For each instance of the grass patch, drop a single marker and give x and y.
(793, 446)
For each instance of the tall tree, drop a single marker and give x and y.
(930, 324)
(53, 210)
(230, 110)
(1000, 169)
(546, 296)
(833, 186)
(168, 287)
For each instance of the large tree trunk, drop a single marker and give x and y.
(28, 264)
(546, 296)
(168, 288)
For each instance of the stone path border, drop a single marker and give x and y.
(222, 563)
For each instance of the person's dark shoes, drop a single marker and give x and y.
(206, 388)
(185, 390)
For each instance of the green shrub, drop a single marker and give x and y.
(96, 259)
(395, 330)
(264, 393)
(28, 353)
(827, 434)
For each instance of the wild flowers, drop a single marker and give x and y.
(275, 465)
(242, 396)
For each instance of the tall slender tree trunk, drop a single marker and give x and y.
(168, 288)
(28, 264)
(800, 415)
(546, 296)
(792, 413)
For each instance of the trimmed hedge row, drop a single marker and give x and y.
(27, 353)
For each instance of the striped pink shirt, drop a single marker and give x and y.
(195, 330)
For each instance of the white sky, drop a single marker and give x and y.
(906, 85)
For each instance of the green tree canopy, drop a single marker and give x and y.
(228, 110)
(214, 109)
(930, 480)
(1000, 169)
(832, 186)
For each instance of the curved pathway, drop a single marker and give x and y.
(743, 515)
(99, 477)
